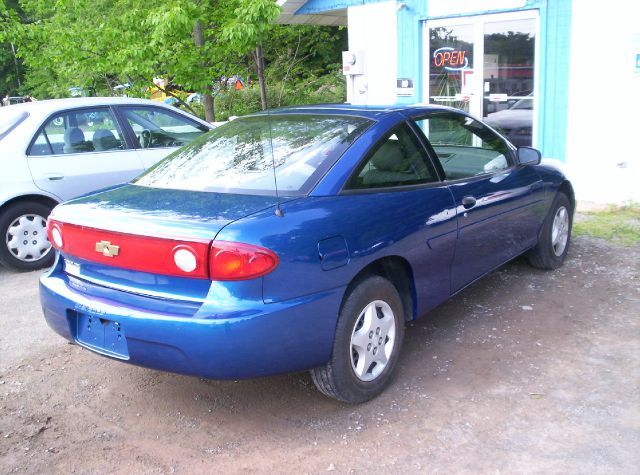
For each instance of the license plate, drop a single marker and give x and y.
(72, 268)
(101, 335)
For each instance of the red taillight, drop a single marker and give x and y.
(217, 260)
(236, 261)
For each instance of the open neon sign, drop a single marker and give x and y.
(450, 58)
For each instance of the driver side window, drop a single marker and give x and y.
(464, 146)
(157, 128)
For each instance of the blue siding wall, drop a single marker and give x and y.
(319, 6)
(553, 74)
(410, 49)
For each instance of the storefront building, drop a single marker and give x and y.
(560, 75)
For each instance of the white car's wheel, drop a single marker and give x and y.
(23, 236)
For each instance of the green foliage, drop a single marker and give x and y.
(11, 69)
(248, 24)
(303, 67)
(98, 44)
(67, 43)
(307, 50)
(9, 73)
(620, 225)
(328, 88)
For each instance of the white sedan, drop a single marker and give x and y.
(54, 150)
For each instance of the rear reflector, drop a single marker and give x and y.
(185, 259)
(217, 260)
(56, 236)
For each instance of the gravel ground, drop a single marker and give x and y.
(526, 371)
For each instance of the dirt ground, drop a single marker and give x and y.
(526, 371)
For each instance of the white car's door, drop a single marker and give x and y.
(159, 131)
(79, 151)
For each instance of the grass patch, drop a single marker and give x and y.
(617, 224)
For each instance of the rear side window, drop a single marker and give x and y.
(157, 128)
(9, 120)
(399, 160)
(464, 146)
(79, 131)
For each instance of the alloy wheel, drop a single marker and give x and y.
(560, 231)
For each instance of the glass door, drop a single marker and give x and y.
(485, 65)
(508, 77)
(451, 66)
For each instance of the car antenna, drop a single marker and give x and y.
(279, 212)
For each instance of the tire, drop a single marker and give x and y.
(357, 371)
(17, 222)
(553, 242)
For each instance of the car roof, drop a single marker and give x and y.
(55, 104)
(49, 106)
(372, 112)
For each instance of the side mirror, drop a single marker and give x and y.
(529, 156)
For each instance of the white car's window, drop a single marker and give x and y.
(78, 131)
(157, 128)
(464, 146)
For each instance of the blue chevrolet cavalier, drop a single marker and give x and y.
(302, 239)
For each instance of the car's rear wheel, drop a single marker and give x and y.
(367, 343)
(23, 236)
(553, 243)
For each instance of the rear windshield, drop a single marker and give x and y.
(9, 120)
(239, 157)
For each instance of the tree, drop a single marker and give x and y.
(246, 31)
(102, 42)
(300, 55)
(11, 70)
(79, 43)
(192, 43)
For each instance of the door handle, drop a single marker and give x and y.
(54, 177)
(468, 202)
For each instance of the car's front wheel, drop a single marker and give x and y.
(23, 236)
(367, 343)
(553, 243)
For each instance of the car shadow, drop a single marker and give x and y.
(473, 342)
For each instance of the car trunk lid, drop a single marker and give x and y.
(125, 238)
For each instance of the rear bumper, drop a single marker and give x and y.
(256, 339)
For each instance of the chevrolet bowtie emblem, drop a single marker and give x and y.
(107, 249)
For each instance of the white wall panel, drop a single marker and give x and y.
(603, 126)
(373, 30)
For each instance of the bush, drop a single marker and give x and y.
(330, 88)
